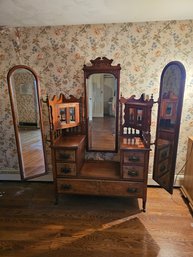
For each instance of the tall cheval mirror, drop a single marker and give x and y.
(101, 81)
(168, 124)
(27, 118)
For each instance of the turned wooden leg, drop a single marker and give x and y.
(144, 206)
(56, 199)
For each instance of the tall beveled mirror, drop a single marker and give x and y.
(168, 123)
(102, 81)
(27, 118)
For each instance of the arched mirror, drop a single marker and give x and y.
(27, 117)
(101, 81)
(168, 124)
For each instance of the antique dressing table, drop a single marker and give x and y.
(78, 125)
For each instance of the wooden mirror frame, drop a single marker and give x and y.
(166, 142)
(16, 130)
(102, 65)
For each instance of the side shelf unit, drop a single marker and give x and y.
(67, 138)
(135, 117)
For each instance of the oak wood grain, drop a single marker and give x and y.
(31, 225)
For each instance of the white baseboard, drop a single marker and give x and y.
(10, 177)
(16, 177)
(177, 181)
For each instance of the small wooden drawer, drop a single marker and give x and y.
(133, 157)
(121, 188)
(65, 155)
(66, 169)
(78, 186)
(133, 172)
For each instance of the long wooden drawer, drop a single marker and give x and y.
(133, 172)
(66, 169)
(134, 157)
(76, 186)
(123, 188)
(65, 155)
(97, 187)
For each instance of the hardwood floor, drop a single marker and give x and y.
(32, 152)
(31, 225)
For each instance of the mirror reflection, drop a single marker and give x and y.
(168, 124)
(169, 98)
(102, 82)
(101, 105)
(24, 97)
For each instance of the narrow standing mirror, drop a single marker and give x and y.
(102, 96)
(168, 124)
(27, 119)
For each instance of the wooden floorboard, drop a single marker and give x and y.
(31, 225)
(32, 152)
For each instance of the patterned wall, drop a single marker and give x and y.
(58, 54)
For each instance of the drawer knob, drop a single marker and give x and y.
(133, 173)
(132, 190)
(134, 158)
(66, 186)
(65, 170)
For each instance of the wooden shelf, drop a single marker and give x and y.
(133, 143)
(101, 169)
(70, 141)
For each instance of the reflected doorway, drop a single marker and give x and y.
(102, 93)
(102, 83)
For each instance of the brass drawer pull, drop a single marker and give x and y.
(66, 187)
(132, 190)
(133, 173)
(134, 158)
(65, 170)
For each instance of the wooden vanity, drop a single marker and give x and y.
(73, 174)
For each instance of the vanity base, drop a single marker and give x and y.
(101, 178)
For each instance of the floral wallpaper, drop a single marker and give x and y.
(57, 54)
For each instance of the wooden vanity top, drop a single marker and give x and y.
(70, 141)
(131, 143)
